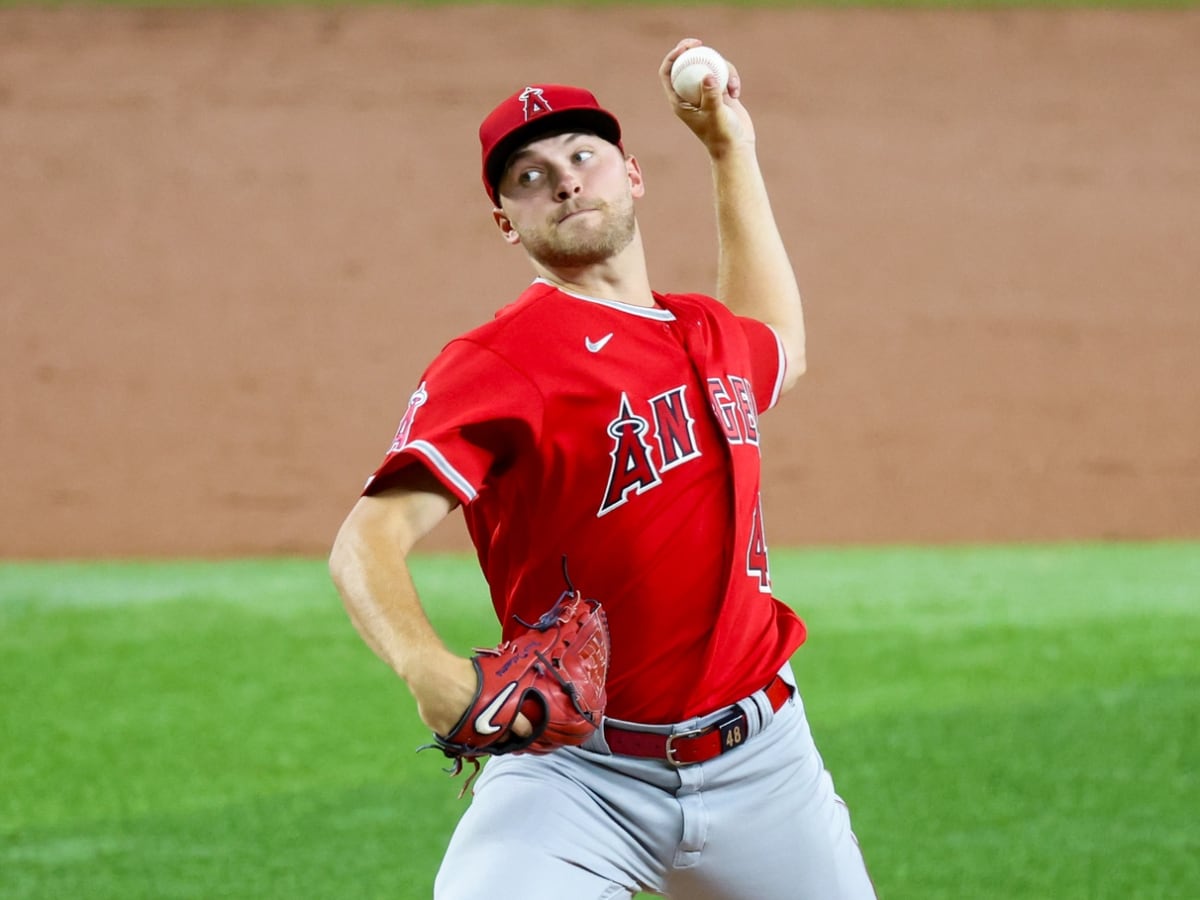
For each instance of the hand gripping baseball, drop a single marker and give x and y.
(554, 673)
(718, 119)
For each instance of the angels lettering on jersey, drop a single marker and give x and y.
(646, 442)
(650, 438)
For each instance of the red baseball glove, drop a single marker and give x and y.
(554, 672)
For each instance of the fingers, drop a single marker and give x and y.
(521, 726)
(710, 93)
(719, 120)
(733, 88)
(664, 71)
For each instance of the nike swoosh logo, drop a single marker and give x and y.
(483, 721)
(597, 346)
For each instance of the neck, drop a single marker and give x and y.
(623, 278)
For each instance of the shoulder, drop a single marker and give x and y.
(517, 343)
(693, 302)
(512, 324)
(702, 307)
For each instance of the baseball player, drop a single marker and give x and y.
(601, 421)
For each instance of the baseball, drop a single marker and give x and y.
(690, 68)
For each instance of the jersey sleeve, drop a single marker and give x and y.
(767, 360)
(469, 417)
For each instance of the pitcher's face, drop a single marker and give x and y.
(568, 199)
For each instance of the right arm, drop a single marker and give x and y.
(754, 274)
(369, 567)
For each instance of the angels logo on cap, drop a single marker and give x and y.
(535, 111)
(534, 102)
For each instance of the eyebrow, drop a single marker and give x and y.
(568, 136)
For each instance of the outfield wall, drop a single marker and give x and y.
(232, 239)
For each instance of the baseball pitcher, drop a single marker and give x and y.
(639, 725)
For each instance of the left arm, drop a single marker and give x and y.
(754, 274)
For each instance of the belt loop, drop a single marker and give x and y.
(758, 712)
(596, 742)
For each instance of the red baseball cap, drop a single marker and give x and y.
(535, 111)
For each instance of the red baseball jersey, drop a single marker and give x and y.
(627, 439)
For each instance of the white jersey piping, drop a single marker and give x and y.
(665, 315)
(434, 456)
(778, 389)
(662, 315)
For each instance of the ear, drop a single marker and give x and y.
(637, 182)
(506, 227)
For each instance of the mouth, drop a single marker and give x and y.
(574, 213)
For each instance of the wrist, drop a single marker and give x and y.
(733, 151)
(426, 664)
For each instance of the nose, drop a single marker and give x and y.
(568, 185)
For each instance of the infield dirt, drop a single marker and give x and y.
(233, 239)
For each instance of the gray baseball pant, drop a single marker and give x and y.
(760, 822)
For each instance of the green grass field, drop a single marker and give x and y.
(1006, 722)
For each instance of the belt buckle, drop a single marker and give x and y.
(671, 738)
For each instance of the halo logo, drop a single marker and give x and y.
(534, 102)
